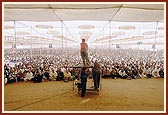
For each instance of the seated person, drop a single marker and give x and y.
(155, 72)
(148, 72)
(106, 73)
(161, 72)
(122, 73)
(53, 75)
(38, 77)
(129, 73)
(60, 75)
(46, 74)
(20, 76)
(135, 72)
(113, 73)
(67, 75)
(29, 76)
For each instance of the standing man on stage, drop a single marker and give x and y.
(84, 53)
(96, 71)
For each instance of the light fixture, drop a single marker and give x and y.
(138, 37)
(54, 33)
(160, 28)
(150, 33)
(86, 27)
(19, 38)
(44, 26)
(22, 33)
(32, 37)
(110, 37)
(85, 33)
(8, 27)
(118, 33)
(8, 36)
(160, 36)
(127, 27)
(127, 38)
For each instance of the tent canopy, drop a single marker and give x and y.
(113, 23)
(84, 11)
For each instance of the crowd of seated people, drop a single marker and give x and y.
(131, 64)
(42, 65)
(35, 73)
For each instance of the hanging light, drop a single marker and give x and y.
(8, 27)
(32, 37)
(125, 39)
(19, 38)
(161, 36)
(138, 37)
(22, 33)
(160, 28)
(54, 33)
(85, 33)
(150, 33)
(118, 33)
(44, 26)
(110, 37)
(8, 36)
(86, 27)
(127, 27)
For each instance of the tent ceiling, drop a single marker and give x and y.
(139, 15)
(90, 12)
(97, 15)
(84, 6)
(30, 15)
(74, 15)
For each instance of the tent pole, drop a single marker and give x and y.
(14, 44)
(109, 34)
(103, 36)
(31, 42)
(66, 40)
(156, 33)
(154, 49)
(62, 34)
(62, 52)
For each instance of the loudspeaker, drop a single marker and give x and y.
(50, 45)
(117, 46)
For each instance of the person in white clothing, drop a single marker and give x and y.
(155, 72)
(53, 75)
(29, 76)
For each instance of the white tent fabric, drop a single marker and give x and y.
(97, 15)
(139, 15)
(96, 12)
(107, 18)
(30, 15)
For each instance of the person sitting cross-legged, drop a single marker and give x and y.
(67, 75)
(60, 75)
